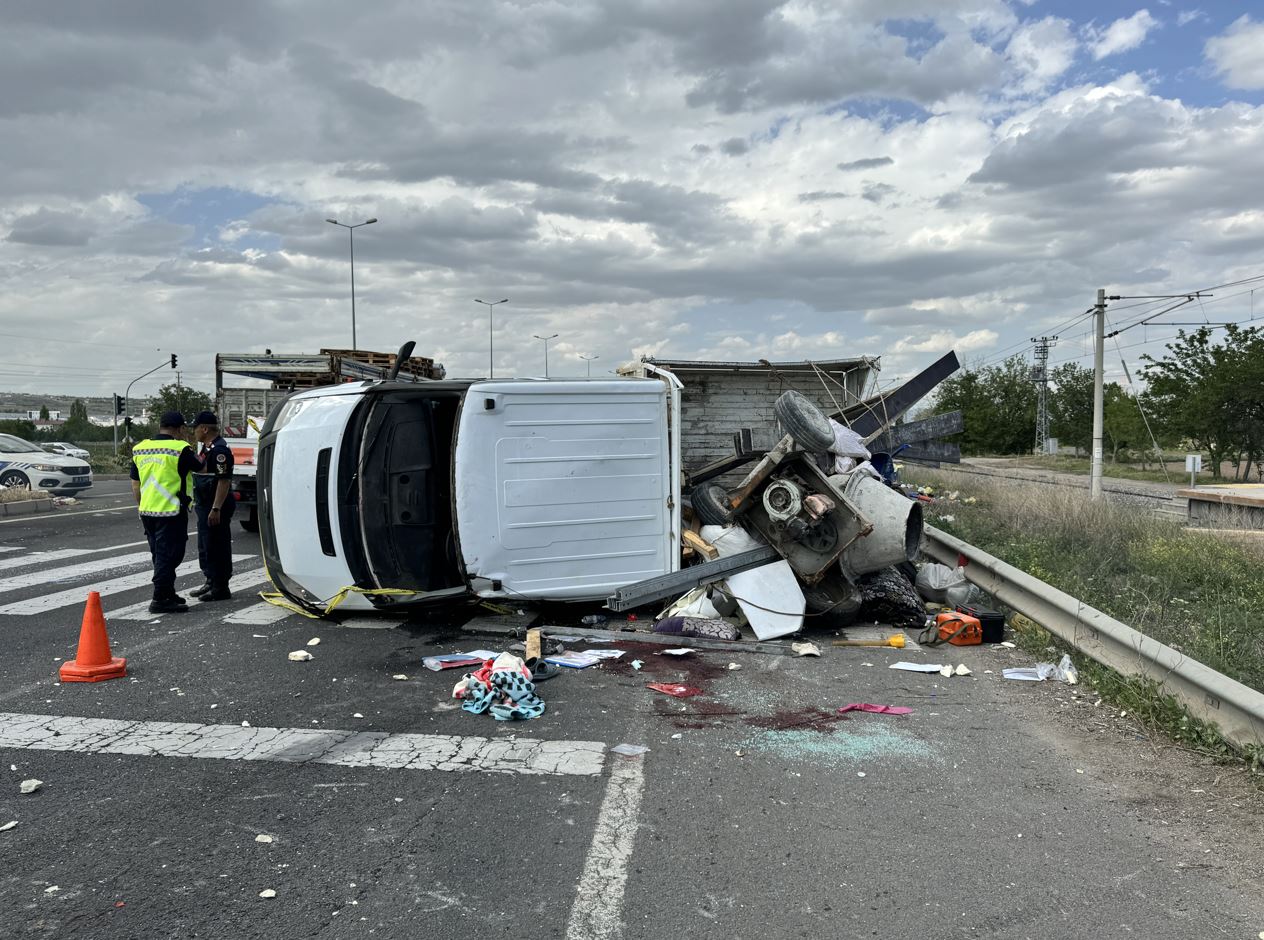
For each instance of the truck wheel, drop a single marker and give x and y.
(251, 522)
(803, 421)
(15, 478)
(710, 505)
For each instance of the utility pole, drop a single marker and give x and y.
(491, 333)
(1040, 375)
(1099, 368)
(589, 360)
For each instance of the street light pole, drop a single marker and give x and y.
(589, 359)
(546, 350)
(351, 232)
(491, 349)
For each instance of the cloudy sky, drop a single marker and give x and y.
(729, 179)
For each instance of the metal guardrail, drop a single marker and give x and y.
(1235, 709)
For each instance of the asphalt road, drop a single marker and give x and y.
(997, 809)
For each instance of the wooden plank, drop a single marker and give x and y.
(700, 545)
(533, 644)
(929, 429)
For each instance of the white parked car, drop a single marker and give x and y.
(25, 464)
(66, 450)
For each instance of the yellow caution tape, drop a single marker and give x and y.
(277, 599)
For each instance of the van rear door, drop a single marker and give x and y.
(565, 489)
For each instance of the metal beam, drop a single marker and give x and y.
(869, 418)
(912, 432)
(678, 582)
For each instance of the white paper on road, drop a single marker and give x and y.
(916, 667)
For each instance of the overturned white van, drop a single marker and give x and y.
(411, 493)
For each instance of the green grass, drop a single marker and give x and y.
(1198, 593)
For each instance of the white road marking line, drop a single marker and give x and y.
(259, 615)
(246, 579)
(368, 623)
(5, 548)
(307, 746)
(42, 516)
(75, 595)
(31, 578)
(36, 558)
(597, 913)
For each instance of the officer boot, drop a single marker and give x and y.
(218, 592)
(199, 591)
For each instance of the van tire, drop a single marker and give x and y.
(710, 505)
(803, 421)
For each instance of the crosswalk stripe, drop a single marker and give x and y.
(369, 623)
(259, 615)
(400, 751)
(47, 602)
(32, 578)
(247, 579)
(36, 558)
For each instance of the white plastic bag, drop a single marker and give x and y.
(848, 448)
(943, 585)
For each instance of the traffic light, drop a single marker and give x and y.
(173, 360)
(118, 405)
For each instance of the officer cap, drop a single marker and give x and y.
(171, 419)
(206, 417)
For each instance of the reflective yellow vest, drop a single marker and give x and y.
(158, 463)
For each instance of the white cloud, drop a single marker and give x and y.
(1041, 51)
(1237, 54)
(1122, 35)
(1185, 17)
(943, 340)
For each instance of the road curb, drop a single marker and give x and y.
(26, 507)
(110, 476)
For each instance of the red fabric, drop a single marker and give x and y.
(674, 688)
(876, 709)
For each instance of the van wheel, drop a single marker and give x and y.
(15, 478)
(251, 522)
(803, 421)
(710, 505)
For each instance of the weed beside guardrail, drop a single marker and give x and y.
(1193, 591)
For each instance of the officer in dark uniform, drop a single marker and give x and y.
(214, 503)
(161, 472)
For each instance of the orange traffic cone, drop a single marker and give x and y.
(93, 662)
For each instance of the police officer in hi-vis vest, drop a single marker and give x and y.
(162, 483)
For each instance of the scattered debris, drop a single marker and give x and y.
(875, 709)
(895, 640)
(1064, 671)
(357, 715)
(674, 689)
(245, 724)
(734, 666)
(30, 786)
(576, 659)
(52, 889)
(961, 670)
(593, 620)
(637, 664)
(458, 660)
(314, 641)
(1008, 645)
(400, 677)
(679, 651)
(300, 656)
(262, 837)
(710, 628)
(805, 649)
(916, 667)
(267, 893)
(12, 824)
(629, 750)
(945, 671)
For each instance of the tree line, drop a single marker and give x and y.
(1201, 395)
(77, 429)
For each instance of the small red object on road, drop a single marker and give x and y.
(876, 709)
(674, 688)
